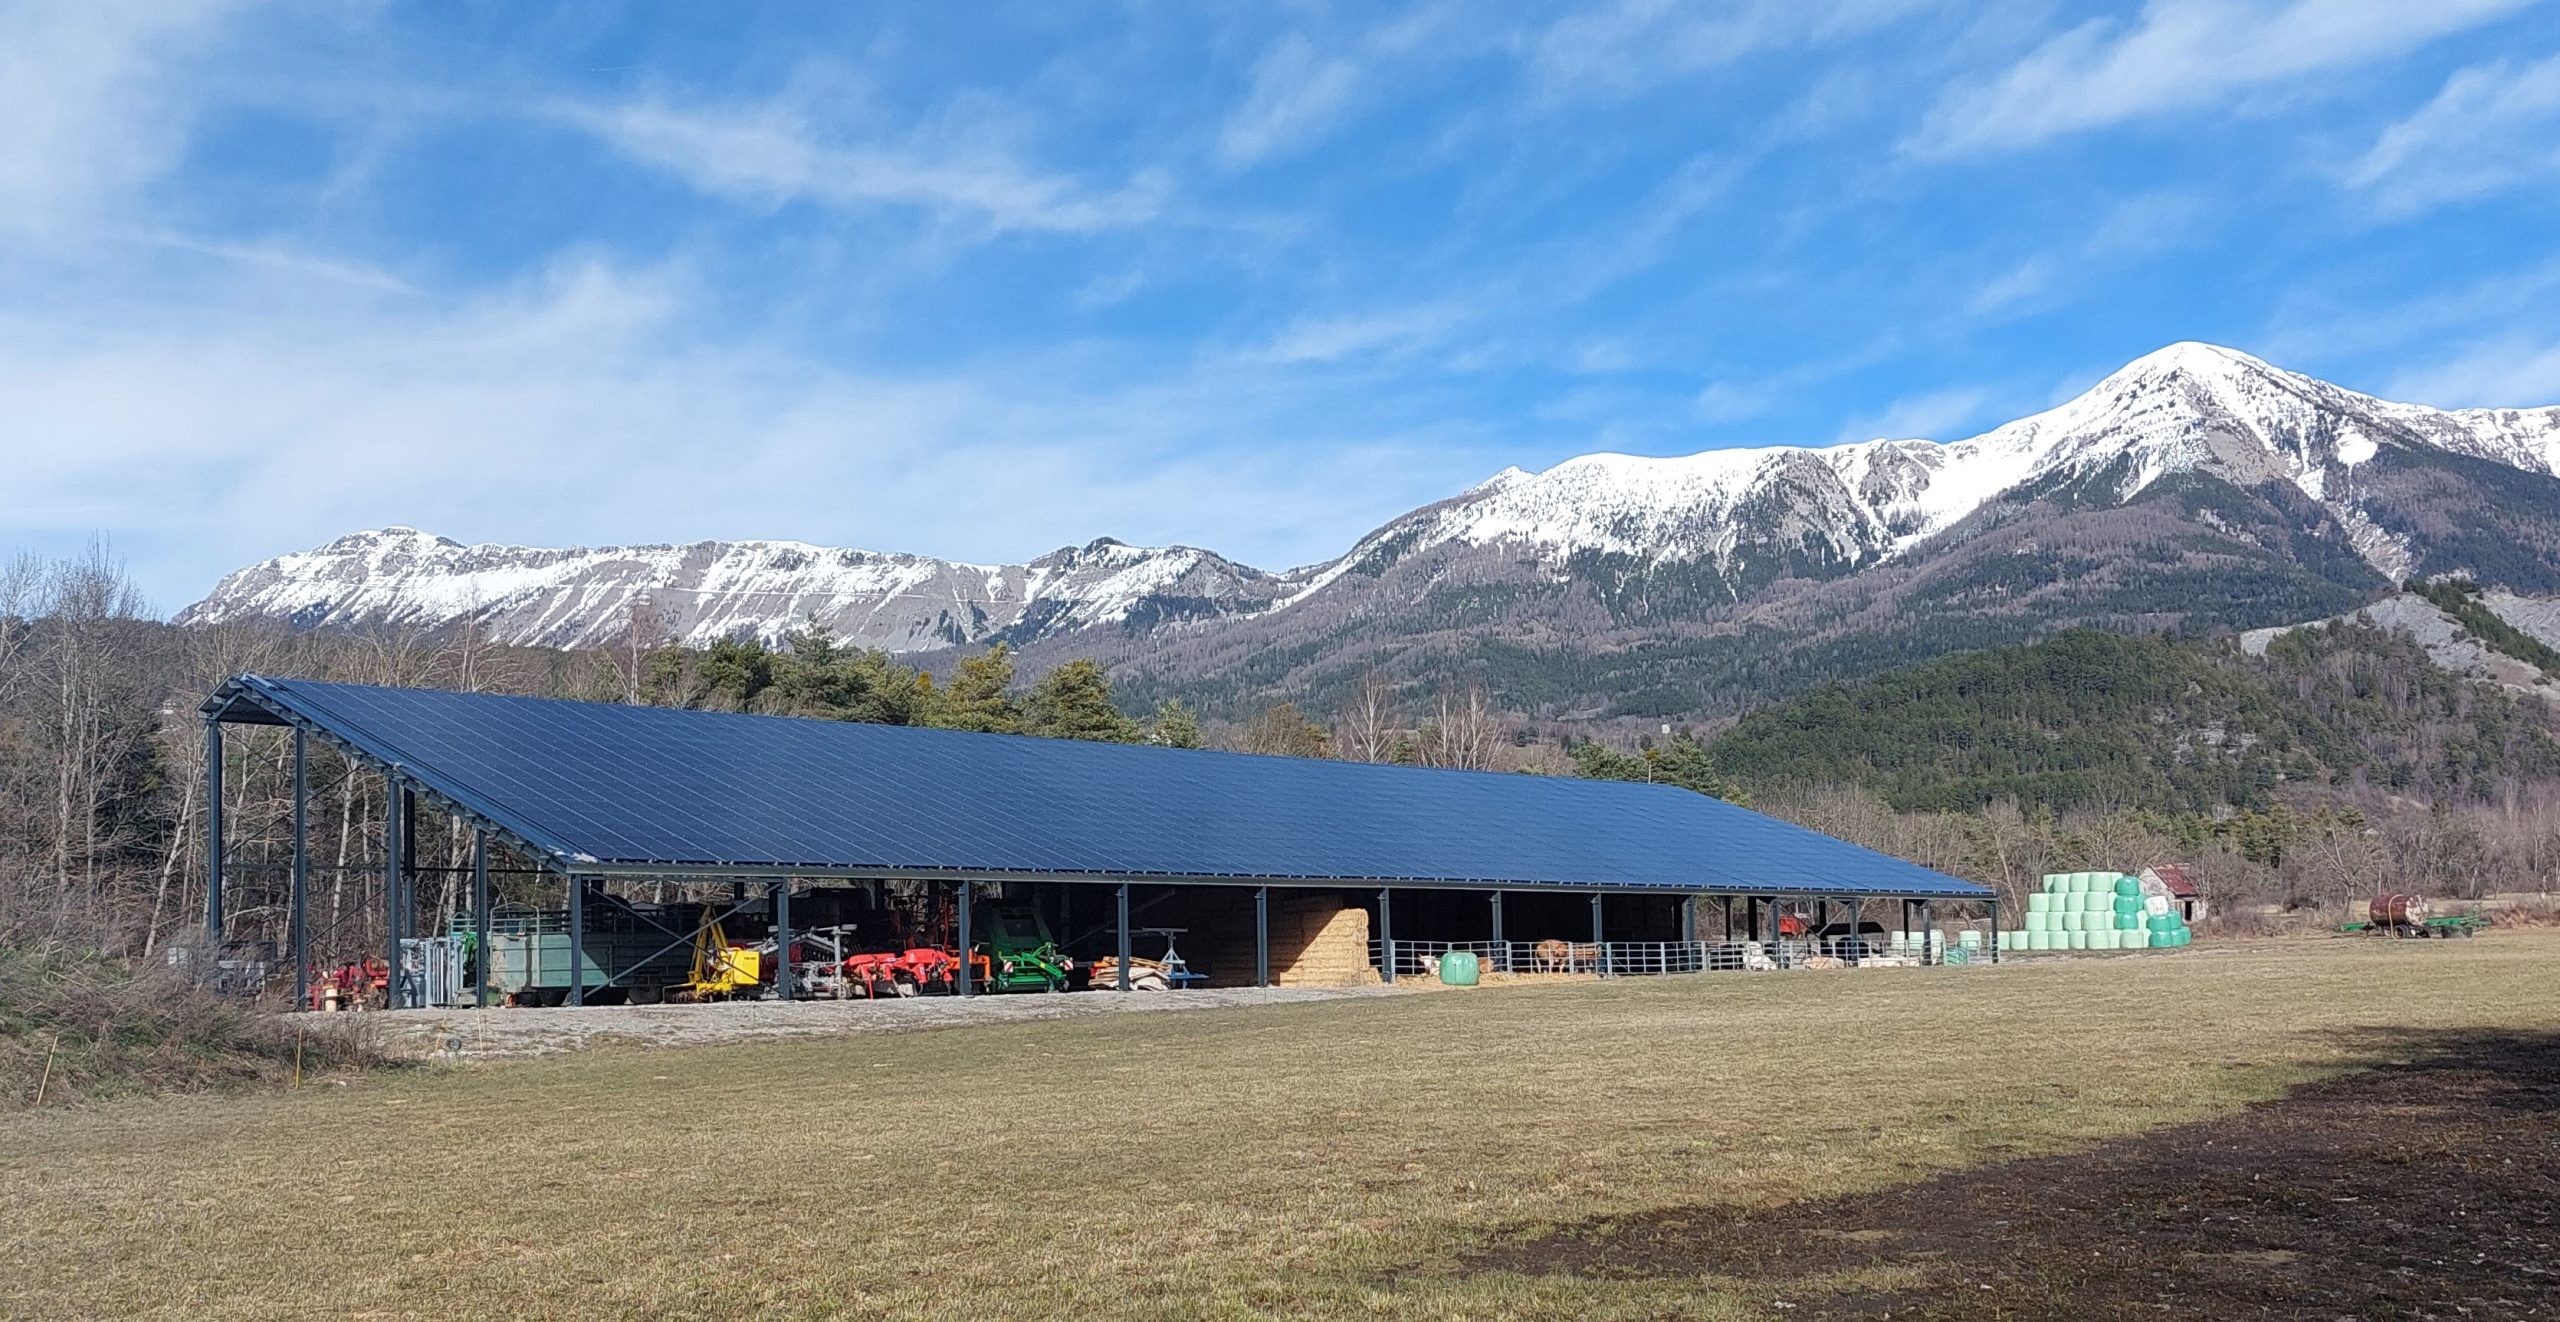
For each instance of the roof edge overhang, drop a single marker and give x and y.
(250, 699)
(772, 871)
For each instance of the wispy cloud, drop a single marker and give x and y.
(1931, 415)
(1297, 93)
(2504, 372)
(2180, 57)
(772, 153)
(84, 118)
(2494, 127)
(1629, 46)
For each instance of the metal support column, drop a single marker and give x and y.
(1122, 924)
(1501, 948)
(1857, 933)
(1386, 937)
(1928, 929)
(577, 940)
(965, 899)
(213, 844)
(480, 917)
(786, 987)
(1769, 924)
(301, 939)
(1599, 938)
(1995, 929)
(1727, 903)
(392, 852)
(1689, 919)
(1261, 936)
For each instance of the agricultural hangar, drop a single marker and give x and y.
(681, 839)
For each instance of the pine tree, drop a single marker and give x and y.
(1074, 702)
(977, 699)
(1173, 725)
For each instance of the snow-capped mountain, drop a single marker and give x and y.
(2186, 408)
(2197, 485)
(712, 590)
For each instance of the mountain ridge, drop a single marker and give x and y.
(2195, 484)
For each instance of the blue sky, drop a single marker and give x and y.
(982, 280)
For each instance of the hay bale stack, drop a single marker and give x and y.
(1316, 941)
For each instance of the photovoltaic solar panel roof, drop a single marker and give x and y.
(609, 788)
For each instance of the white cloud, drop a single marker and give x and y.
(2181, 57)
(1297, 95)
(2494, 127)
(2511, 372)
(1626, 47)
(1723, 401)
(2026, 281)
(1935, 415)
(1355, 335)
(580, 408)
(771, 154)
(83, 120)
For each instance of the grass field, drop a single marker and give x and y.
(1458, 1154)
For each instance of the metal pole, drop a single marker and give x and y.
(577, 940)
(1726, 902)
(213, 841)
(1769, 921)
(1928, 929)
(1123, 923)
(1995, 929)
(301, 869)
(408, 861)
(1857, 933)
(1263, 936)
(783, 987)
(1689, 919)
(1386, 937)
(480, 917)
(1501, 948)
(1599, 938)
(391, 852)
(967, 981)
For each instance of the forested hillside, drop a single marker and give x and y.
(2095, 720)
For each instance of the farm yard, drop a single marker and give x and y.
(2306, 1127)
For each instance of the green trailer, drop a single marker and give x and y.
(634, 952)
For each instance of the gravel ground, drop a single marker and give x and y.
(503, 1033)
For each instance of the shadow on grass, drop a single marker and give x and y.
(2426, 1182)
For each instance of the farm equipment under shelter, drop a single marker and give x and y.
(1018, 953)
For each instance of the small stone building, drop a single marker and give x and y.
(2171, 879)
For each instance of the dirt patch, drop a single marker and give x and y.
(501, 1033)
(2426, 1187)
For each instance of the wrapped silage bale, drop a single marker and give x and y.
(2039, 940)
(2128, 887)
(2155, 905)
(2040, 902)
(2056, 882)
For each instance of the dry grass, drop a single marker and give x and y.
(76, 1024)
(1334, 1159)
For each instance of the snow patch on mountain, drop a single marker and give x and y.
(1780, 509)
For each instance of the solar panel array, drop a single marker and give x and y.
(628, 788)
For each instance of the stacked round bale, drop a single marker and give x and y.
(2096, 911)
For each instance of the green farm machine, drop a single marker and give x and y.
(1017, 953)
